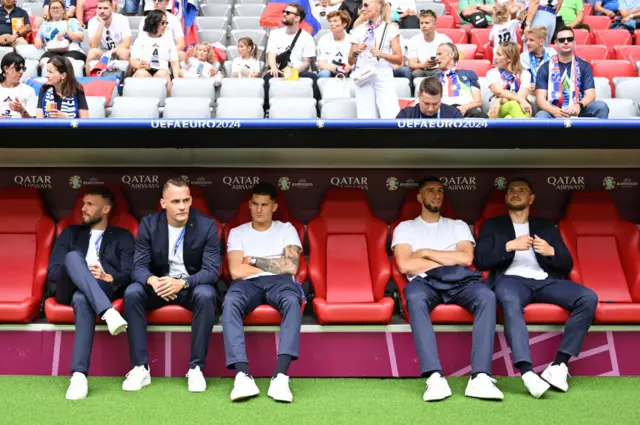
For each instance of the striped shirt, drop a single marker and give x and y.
(68, 105)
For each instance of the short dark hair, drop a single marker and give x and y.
(520, 180)
(8, 60)
(153, 20)
(299, 11)
(565, 28)
(264, 188)
(181, 181)
(106, 194)
(428, 14)
(432, 86)
(429, 179)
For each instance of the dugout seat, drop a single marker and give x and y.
(26, 239)
(442, 313)
(605, 254)
(348, 264)
(265, 314)
(10, 194)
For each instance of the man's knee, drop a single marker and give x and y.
(507, 299)
(590, 299)
(543, 114)
(124, 54)
(600, 109)
(413, 294)
(19, 41)
(486, 297)
(204, 294)
(79, 300)
(233, 299)
(418, 73)
(134, 293)
(73, 258)
(94, 54)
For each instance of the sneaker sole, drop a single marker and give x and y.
(76, 398)
(438, 399)
(144, 384)
(119, 329)
(283, 400)
(198, 390)
(548, 381)
(480, 397)
(245, 396)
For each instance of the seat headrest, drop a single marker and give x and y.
(588, 205)
(345, 203)
(19, 222)
(19, 192)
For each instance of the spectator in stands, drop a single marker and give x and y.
(460, 87)
(564, 85)
(504, 28)
(153, 55)
(630, 12)
(60, 35)
(202, 65)
(543, 12)
(149, 5)
(14, 24)
(173, 30)
(434, 253)
(176, 261)
(263, 257)
(529, 263)
(108, 31)
(430, 104)
(607, 7)
(70, 5)
(246, 65)
(62, 96)
(423, 47)
(334, 48)
(510, 84)
(91, 266)
(88, 9)
(476, 12)
(325, 7)
(536, 54)
(375, 50)
(407, 15)
(571, 14)
(17, 100)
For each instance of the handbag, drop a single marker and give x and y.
(366, 74)
(282, 60)
(337, 88)
(58, 46)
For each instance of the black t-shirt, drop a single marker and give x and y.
(19, 18)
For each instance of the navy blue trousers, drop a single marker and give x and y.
(281, 293)
(514, 293)
(422, 297)
(140, 298)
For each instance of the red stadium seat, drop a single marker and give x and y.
(265, 314)
(588, 9)
(605, 254)
(445, 21)
(442, 313)
(582, 36)
(26, 239)
(480, 37)
(636, 33)
(591, 52)
(597, 22)
(613, 68)
(452, 9)
(9, 194)
(611, 39)
(348, 264)
(467, 51)
(60, 313)
(628, 53)
(480, 67)
(456, 35)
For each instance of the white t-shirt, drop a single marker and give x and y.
(177, 270)
(441, 236)
(198, 69)
(173, 30)
(157, 51)
(525, 263)
(93, 250)
(305, 47)
(329, 49)
(503, 33)
(493, 76)
(238, 64)
(267, 244)
(118, 30)
(148, 5)
(402, 5)
(424, 50)
(365, 58)
(27, 97)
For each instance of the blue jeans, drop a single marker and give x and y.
(131, 7)
(325, 73)
(403, 72)
(597, 109)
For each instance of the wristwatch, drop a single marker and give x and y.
(253, 261)
(581, 106)
(185, 284)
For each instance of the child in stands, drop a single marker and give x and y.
(202, 65)
(247, 65)
(504, 28)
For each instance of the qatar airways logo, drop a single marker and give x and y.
(241, 182)
(467, 183)
(566, 182)
(39, 182)
(141, 181)
(353, 182)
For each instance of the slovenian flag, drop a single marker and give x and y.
(272, 15)
(102, 64)
(186, 11)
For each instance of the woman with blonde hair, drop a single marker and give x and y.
(510, 84)
(375, 49)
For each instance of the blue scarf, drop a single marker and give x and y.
(534, 63)
(509, 81)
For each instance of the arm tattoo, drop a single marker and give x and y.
(287, 264)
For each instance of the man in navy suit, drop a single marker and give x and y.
(176, 261)
(529, 263)
(91, 264)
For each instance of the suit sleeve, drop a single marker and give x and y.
(58, 254)
(490, 252)
(561, 261)
(402, 114)
(142, 255)
(209, 273)
(126, 247)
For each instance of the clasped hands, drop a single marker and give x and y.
(166, 287)
(526, 242)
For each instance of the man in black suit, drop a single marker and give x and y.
(91, 265)
(176, 261)
(529, 263)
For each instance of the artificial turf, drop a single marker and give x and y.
(27, 400)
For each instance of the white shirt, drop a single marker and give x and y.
(493, 76)
(238, 64)
(401, 6)
(173, 30)
(177, 270)
(424, 50)
(157, 51)
(365, 58)
(148, 5)
(305, 47)
(329, 49)
(525, 263)
(118, 30)
(266, 244)
(198, 69)
(441, 236)
(503, 33)
(24, 93)
(93, 252)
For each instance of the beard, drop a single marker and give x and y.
(513, 207)
(431, 208)
(91, 220)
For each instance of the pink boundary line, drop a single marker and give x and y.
(57, 343)
(276, 335)
(167, 354)
(392, 354)
(613, 354)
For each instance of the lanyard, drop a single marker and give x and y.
(178, 242)
(98, 246)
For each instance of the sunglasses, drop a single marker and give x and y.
(19, 68)
(288, 12)
(566, 40)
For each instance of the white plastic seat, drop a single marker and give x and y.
(621, 108)
(34, 9)
(240, 108)
(249, 10)
(222, 10)
(29, 51)
(242, 87)
(31, 71)
(134, 22)
(438, 8)
(213, 36)
(245, 23)
(134, 36)
(628, 88)
(251, 1)
(289, 89)
(203, 2)
(320, 34)
(146, 87)
(4, 50)
(408, 34)
(211, 22)
(603, 88)
(484, 91)
(194, 87)
(292, 108)
(258, 36)
(96, 106)
(402, 87)
(187, 107)
(324, 83)
(135, 107)
(233, 53)
(339, 109)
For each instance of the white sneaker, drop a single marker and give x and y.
(244, 387)
(483, 386)
(437, 388)
(279, 389)
(197, 383)
(536, 385)
(137, 378)
(115, 322)
(78, 387)
(557, 376)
